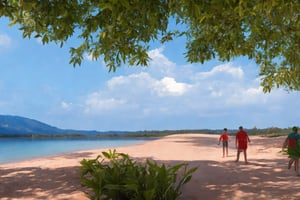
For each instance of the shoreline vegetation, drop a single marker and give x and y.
(267, 132)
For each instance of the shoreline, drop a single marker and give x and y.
(56, 147)
(265, 177)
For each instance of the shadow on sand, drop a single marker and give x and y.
(225, 179)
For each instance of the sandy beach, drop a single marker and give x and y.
(265, 176)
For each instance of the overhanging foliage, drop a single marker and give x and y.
(120, 31)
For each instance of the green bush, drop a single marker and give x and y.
(116, 176)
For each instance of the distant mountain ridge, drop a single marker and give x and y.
(21, 126)
(16, 125)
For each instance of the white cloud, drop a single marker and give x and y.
(223, 70)
(95, 102)
(120, 80)
(168, 86)
(146, 92)
(138, 94)
(165, 91)
(160, 65)
(133, 85)
(143, 83)
(5, 41)
(161, 96)
(246, 96)
(158, 58)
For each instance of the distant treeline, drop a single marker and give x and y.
(270, 132)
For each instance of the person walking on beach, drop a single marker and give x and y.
(225, 139)
(241, 141)
(293, 149)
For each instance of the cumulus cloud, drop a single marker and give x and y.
(97, 103)
(131, 86)
(221, 71)
(160, 65)
(164, 91)
(169, 87)
(146, 91)
(134, 92)
(158, 59)
(164, 95)
(246, 96)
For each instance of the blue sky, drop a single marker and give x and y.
(38, 82)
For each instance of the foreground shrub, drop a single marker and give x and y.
(116, 176)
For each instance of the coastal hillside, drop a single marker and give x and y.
(22, 126)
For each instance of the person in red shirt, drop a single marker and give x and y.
(241, 141)
(224, 138)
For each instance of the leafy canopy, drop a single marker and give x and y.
(120, 31)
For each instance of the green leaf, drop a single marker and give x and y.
(121, 31)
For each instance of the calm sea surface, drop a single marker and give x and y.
(18, 149)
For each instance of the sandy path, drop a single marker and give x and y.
(265, 177)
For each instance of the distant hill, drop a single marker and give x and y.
(22, 126)
(19, 126)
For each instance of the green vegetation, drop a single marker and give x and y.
(116, 176)
(270, 132)
(121, 31)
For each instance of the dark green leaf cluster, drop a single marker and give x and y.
(115, 176)
(120, 31)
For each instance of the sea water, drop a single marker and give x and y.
(18, 149)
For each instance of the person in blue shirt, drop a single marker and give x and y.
(293, 148)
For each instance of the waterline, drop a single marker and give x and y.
(18, 149)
